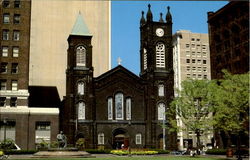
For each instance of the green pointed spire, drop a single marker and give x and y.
(80, 28)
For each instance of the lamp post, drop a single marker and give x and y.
(164, 132)
(4, 123)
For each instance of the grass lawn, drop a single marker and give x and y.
(136, 158)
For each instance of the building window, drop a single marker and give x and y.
(204, 62)
(6, 18)
(16, 35)
(43, 132)
(198, 61)
(204, 69)
(193, 60)
(138, 138)
(9, 129)
(161, 90)
(15, 51)
(204, 47)
(198, 39)
(187, 53)
(5, 51)
(80, 88)
(16, 19)
(187, 45)
(192, 39)
(193, 46)
(100, 138)
(80, 56)
(161, 111)
(17, 4)
(119, 106)
(13, 101)
(205, 76)
(194, 75)
(193, 54)
(2, 101)
(204, 54)
(4, 67)
(199, 69)
(14, 68)
(188, 76)
(199, 76)
(198, 54)
(110, 108)
(187, 60)
(14, 85)
(6, 3)
(160, 55)
(5, 34)
(188, 68)
(128, 108)
(81, 111)
(193, 69)
(145, 58)
(3, 83)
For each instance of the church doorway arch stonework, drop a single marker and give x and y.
(120, 138)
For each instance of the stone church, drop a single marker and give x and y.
(119, 108)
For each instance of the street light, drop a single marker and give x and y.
(164, 132)
(4, 123)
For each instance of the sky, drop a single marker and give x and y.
(125, 21)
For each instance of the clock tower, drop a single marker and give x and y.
(156, 55)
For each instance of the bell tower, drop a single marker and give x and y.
(156, 55)
(78, 110)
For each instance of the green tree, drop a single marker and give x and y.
(231, 112)
(194, 106)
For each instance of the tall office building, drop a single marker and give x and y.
(191, 60)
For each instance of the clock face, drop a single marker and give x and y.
(159, 32)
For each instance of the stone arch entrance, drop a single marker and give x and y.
(80, 139)
(120, 138)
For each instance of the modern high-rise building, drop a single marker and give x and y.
(33, 52)
(191, 59)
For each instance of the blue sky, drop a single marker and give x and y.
(125, 19)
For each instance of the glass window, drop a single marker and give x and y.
(15, 51)
(6, 18)
(160, 55)
(14, 85)
(13, 101)
(128, 108)
(80, 56)
(16, 35)
(8, 127)
(193, 60)
(4, 67)
(119, 105)
(145, 58)
(138, 138)
(80, 87)
(193, 46)
(197, 39)
(16, 18)
(204, 54)
(187, 45)
(204, 69)
(5, 34)
(194, 69)
(81, 110)
(6, 3)
(161, 90)
(198, 61)
(100, 138)
(5, 51)
(3, 84)
(187, 60)
(161, 111)
(17, 4)
(14, 68)
(205, 76)
(199, 69)
(204, 62)
(43, 132)
(192, 39)
(110, 108)
(199, 76)
(2, 101)
(187, 53)
(188, 75)
(193, 54)
(188, 68)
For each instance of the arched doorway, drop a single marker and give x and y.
(120, 138)
(80, 141)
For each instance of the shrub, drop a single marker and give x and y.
(43, 145)
(80, 143)
(96, 151)
(161, 151)
(9, 152)
(54, 144)
(134, 152)
(217, 151)
(7, 144)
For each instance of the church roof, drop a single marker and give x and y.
(80, 28)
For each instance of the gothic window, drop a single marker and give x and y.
(160, 55)
(128, 108)
(100, 138)
(145, 58)
(5, 34)
(81, 110)
(110, 108)
(161, 90)
(80, 88)
(16, 35)
(138, 138)
(80, 56)
(6, 18)
(119, 106)
(161, 111)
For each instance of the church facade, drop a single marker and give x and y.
(119, 108)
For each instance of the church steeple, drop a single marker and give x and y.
(142, 21)
(80, 28)
(161, 19)
(149, 14)
(169, 16)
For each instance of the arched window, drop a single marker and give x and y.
(138, 138)
(128, 108)
(110, 108)
(81, 110)
(100, 138)
(80, 56)
(161, 90)
(80, 88)
(161, 111)
(119, 106)
(160, 55)
(145, 57)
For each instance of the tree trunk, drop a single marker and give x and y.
(198, 141)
